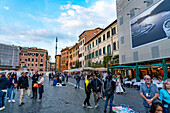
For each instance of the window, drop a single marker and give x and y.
(100, 52)
(83, 41)
(155, 52)
(122, 40)
(99, 40)
(114, 31)
(104, 37)
(149, 2)
(28, 59)
(90, 46)
(93, 55)
(28, 64)
(96, 42)
(25, 59)
(25, 54)
(89, 56)
(123, 59)
(41, 65)
(20, 59)
(118, 44)
(108, 50)
(42, 55)
(104, 51)
(96, 53)
(135, 56)
(108, 34)
(32, 64)
(121, 20)
(114, 45)
(32, 59)
(93, 44)
(33, 54)
(85, 57)
(132, 13)
(36, 54)
(29, 54)
(41, 60)
(36, 60)
(36, 65)
(85, 48)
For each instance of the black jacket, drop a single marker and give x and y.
(110, 89)
(4, 82)
(35, 78)
(96, 83)
(23, 82)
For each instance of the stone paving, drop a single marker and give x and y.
(70, 100)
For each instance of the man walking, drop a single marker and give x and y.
(96, 88)
(109, 87)
(34, 81)
(23, 85)
(4, 82)
(87, 91)
(149, 92)
(78, 78)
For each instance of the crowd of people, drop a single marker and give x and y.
(10, 84)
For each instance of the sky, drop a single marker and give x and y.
(37, 23)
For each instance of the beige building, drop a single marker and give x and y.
(84, 38)
(73, 56)
(64, 59)
(58, 62)
(103, 44)
(143, 30)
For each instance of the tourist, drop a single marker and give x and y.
(78, 78)
(87, 91)
(109, 87)
(156, 108)
(119, 88)
(49, 76)
(8, 90)
(34, 81)
(23, 85)
(96, 85)
(55, 81)
(149, 92)
(4, 82)
(165, 96)
(12, 87)
(41, 86)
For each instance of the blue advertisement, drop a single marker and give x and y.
(152, 25)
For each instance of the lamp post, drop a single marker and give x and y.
(56, 55)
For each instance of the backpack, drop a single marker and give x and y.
(109, 87)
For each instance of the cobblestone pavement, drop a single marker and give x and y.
(70, 100)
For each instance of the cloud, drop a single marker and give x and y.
(6, 7)
(63, 7)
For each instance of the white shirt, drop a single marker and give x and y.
(41, 81)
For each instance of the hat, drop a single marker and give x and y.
(2, 73)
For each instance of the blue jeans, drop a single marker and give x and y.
(12, 89)
(8, 91)
(78, 83)
(2, 98)
(111, 102)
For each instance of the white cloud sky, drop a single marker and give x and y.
(6, 7)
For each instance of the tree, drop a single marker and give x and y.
(77, 64)
(89, 63)
(106, 59)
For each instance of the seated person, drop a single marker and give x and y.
(55, 81)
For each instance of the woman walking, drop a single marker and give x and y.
(41, 87)
(165, 96)
(12, 87)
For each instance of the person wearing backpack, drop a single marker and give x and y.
(87, 91)
(109, 87)
(78, 78)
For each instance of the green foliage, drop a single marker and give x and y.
(89, 63)
(77, 64)
(106, 59)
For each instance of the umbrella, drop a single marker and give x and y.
(165, 70)
(137, 73)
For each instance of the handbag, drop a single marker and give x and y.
(28, 92)
(15, 85)
(39, 85)
(35, 85)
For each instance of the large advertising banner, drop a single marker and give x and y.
(152, 25)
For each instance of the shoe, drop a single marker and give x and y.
(75, 87)
(9, 100)
(95, 106)
(105, 111)
(124, 92)
(32, 97)
(78, 88)
(1, 109)
(84, 105)
(39, 100)
(22, 103)
(89, 107)
(13, 100)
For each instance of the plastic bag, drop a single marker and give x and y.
(28, 92)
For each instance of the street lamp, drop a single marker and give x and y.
(56, 55)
